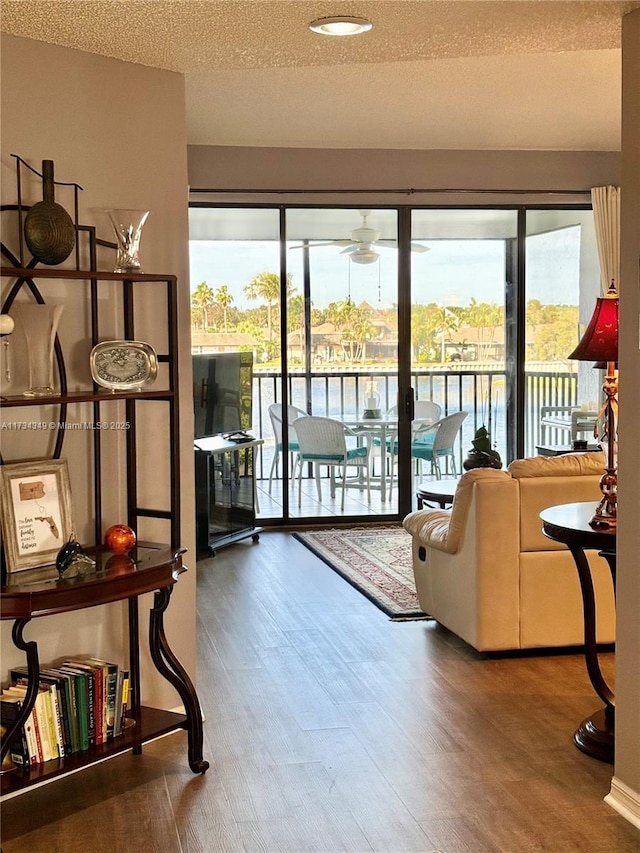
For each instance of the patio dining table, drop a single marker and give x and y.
(385, 429)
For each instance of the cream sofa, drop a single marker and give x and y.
(485, 570)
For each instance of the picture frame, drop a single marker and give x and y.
(35, 512)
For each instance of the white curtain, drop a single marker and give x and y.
(606, 211)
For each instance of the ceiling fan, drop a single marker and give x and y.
(361, 243)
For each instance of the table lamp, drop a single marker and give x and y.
(600, 344)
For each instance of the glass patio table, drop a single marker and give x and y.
(385, 429)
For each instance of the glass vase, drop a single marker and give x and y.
(40, 326)
(127, 226)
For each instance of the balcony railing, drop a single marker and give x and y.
(481, 392)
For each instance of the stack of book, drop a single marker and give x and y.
(80, 704)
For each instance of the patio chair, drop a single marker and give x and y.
(432, 443)
(275, 415)
(566, 419)
(425, 413)
(323, 441)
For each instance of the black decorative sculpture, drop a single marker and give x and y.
(482, 455)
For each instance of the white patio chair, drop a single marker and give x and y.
(275, 415)
(435, 442)
(425, 413)
(326, 441)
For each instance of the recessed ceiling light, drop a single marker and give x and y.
(341, 25)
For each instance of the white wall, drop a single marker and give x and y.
(118, 130)
(625, 790)
(260, 169)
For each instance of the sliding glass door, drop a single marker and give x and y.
(459, 346)
(562, 273)
(342, 343)
(367, 315)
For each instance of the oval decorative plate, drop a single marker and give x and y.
(123, 365)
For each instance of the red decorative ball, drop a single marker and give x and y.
(119, 538)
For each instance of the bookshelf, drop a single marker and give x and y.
(156, 568)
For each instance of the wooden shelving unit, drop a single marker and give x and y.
(38, 593)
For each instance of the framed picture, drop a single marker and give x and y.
(35, 511)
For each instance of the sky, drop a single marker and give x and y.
(452, 272)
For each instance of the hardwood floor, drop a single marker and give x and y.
(330, 728)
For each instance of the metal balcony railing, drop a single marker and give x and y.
(481, 392)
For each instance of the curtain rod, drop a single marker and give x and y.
(403, 191)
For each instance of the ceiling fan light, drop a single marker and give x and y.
(341, 25)
(364, 256)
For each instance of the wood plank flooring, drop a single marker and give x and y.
(330, 728)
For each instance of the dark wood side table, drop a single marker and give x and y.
(569, 524)
(40, 593)
(440, 492)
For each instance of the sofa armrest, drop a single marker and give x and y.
(442, 529)
(431, 527)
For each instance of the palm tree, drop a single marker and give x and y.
(266, 286)
(223, 298)
(202, 300)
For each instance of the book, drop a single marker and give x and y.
(9, 712)
(110, 679)
(29, 726)
(40, 724)
(90, 685)
(72, 710)
(57, 714)
(80, 696)
(51, 712)
(62, 705)
(117, 723)
(124, 704)
(98, 698)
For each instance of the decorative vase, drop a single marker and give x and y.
(40, 326)
(127, 226)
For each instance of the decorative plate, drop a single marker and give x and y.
(123, 365)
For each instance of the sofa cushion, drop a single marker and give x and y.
(567, 465)
(547, 481)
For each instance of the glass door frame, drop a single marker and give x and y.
(515, 328)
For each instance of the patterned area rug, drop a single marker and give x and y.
(376, 561)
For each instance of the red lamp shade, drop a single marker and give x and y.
(600, 341)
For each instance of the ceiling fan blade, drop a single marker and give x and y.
(415, 247)
(307, 245)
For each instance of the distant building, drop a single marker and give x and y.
(223, 342)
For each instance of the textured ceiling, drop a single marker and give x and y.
(430, 74)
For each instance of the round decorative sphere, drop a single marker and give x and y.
(119, 538)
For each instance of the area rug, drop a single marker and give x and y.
(376, 561)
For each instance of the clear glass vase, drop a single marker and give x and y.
(127, 226)
(40, 326)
